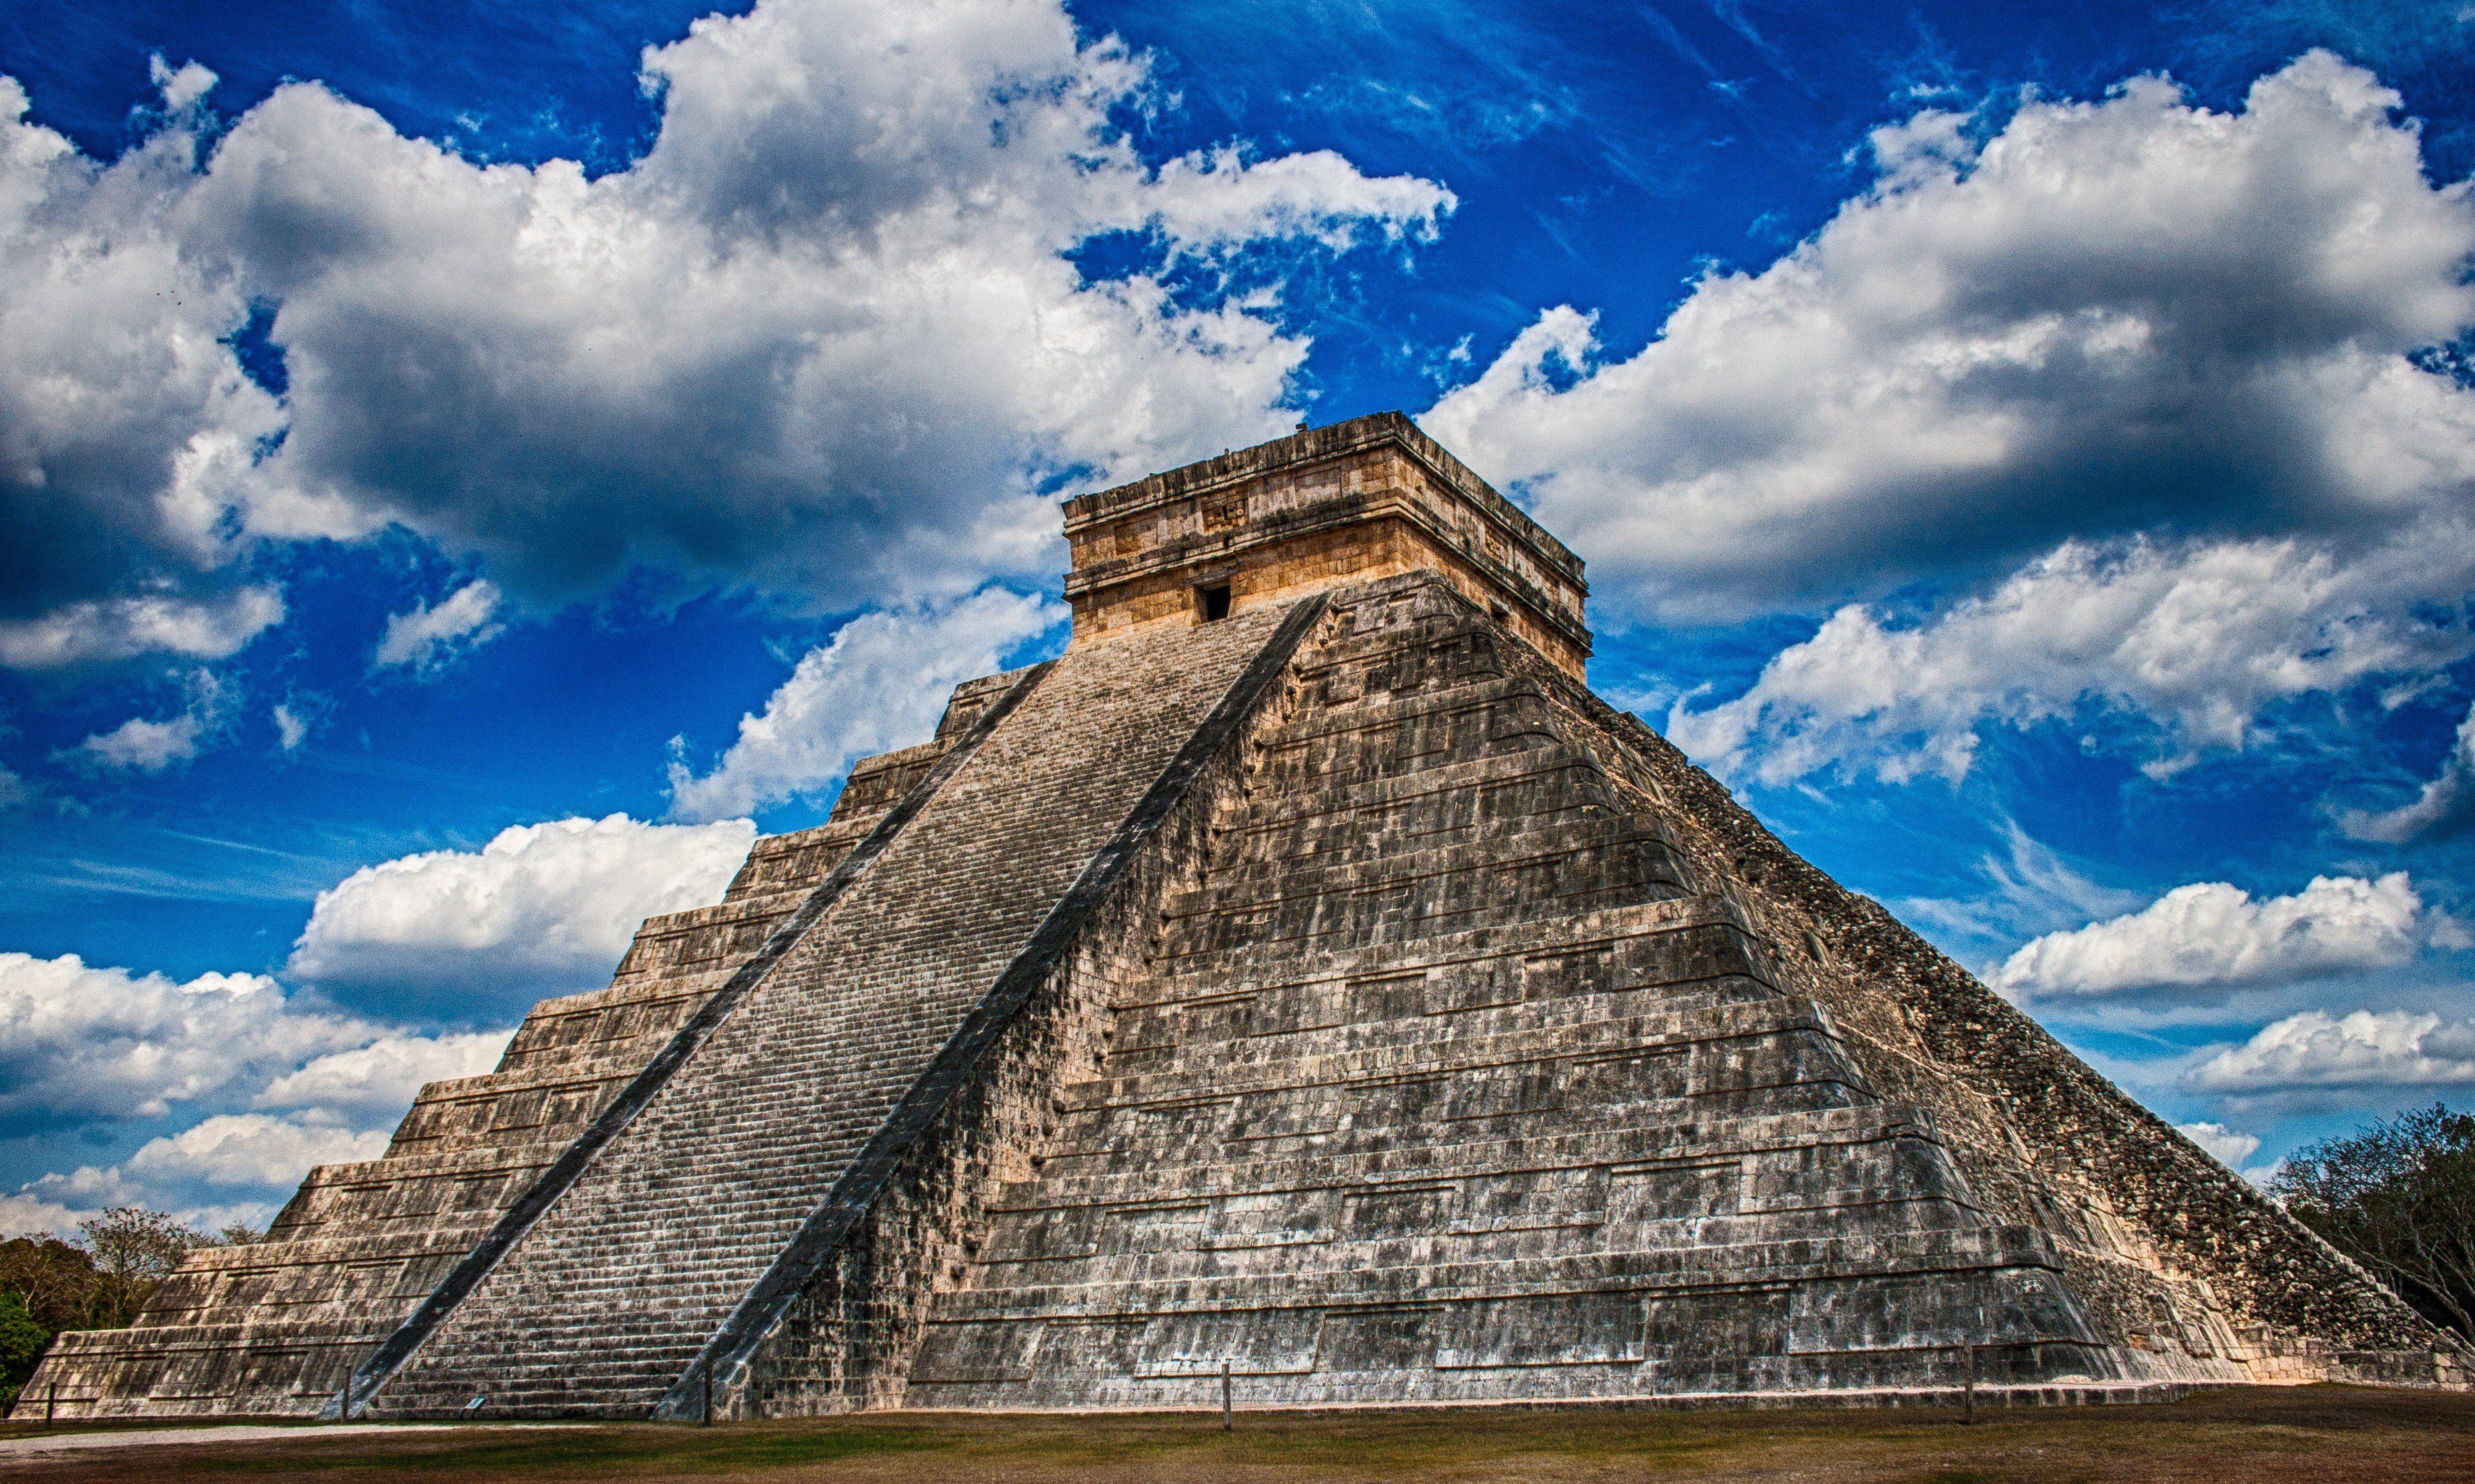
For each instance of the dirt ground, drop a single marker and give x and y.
(2309, 1435)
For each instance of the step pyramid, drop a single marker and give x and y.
(1304, 985)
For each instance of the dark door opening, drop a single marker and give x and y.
(1213, 602)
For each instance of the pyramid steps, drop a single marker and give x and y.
(693, 1202)
(1418, 1029)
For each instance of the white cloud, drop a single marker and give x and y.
(248, 1148)
(879, 683)
(382, 1077)
(183, 87)
(541, 909)
(2227, 1146)
(2191, 641)
(2107, 318)
(88, 633)
(2365, 1049)
(292, 725)
(827, 335)
(2211, 934)
(224, 1168)
(77, 1041)
(428, 637)
(140, 745)
(2443, 806)
(273, 1086)
(126, 425)
(13, 789)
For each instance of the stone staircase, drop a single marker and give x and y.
(1448, 1085)
(603, 1303)
(274, 1328)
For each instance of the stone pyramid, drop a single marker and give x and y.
(1305, 977)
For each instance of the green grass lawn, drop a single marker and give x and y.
(2312, 1435)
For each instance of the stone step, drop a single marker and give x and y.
(1253, 967)
(1805, 1075)
(1925, 1253)
(1239, 885)
(1659, 1031)
(1066, 1180)
(1448, 801)
(1684, 969)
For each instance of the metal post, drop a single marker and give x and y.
(1968, 1412)
(708, 1397)
(1224, 1395)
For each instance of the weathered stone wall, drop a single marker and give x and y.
(2183, 1266)
(1448, 1081)
(847, 1340)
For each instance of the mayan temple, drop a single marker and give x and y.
(1304, 975)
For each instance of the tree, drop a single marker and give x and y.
(57, 1283)
(2399, 1197)
(134, 1249)
(22, 1342)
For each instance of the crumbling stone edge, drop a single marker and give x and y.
(639, 1093)
(848, 1294)
(2207, 1221)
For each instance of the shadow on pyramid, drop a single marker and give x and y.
(1303, 980)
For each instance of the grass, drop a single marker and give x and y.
(2311, 1435)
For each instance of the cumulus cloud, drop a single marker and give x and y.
(2105, 317)
(879, 683)
(2227, 1146)
(2193, 638)
(2443, 806)
(87, 1041)
(2163, 359)
(272, 1086)
(126, 428)
(429, 637)
(542, 909)
(2366, 1049)
(2211, 934)
(250, 1149)
(382, 1077)
(826, 336)
(224, 1168)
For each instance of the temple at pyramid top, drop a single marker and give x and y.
(1368, 497)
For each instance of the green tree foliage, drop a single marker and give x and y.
(2399, 1197)
(22, 1342)
(100, 1282)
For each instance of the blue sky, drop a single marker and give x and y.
(459, 463)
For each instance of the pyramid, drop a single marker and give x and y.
(1304, 979)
